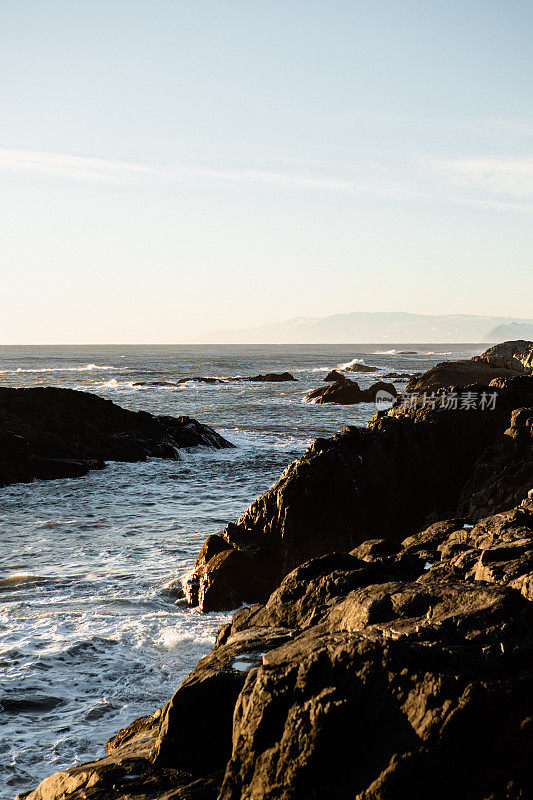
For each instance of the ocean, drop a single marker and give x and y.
(91, 634)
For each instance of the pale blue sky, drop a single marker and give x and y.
(170, 168)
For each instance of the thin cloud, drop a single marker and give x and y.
(497, 184)
(99, 169)
(507, 176)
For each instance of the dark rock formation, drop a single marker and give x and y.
(400, 670)
(272, 377)
(457, 373)
(516, 356)
(505, 360)
(410, 467)
(56, 433)
(406, 353)
(404, 376)
(198, 379)
(347, 392)
(335, 376)
(360, 368)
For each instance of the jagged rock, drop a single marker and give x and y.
(410, 467)
(56, 433)
(335, 376)
(360, 672)
(516, 356)
(347, 392)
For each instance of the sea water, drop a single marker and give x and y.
(91, 633)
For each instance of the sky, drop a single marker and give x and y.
(174, 167)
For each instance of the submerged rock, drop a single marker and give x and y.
(56, 433)
(347, 392)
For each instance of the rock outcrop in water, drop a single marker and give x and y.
(334, 376)
(347, 392)
(504, 360)
(412, 465)
(359, 368)
(399, 670)
(272, 377)
(58, 433)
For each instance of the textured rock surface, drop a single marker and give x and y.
(517, 355)
(55, 433)
(410, 467)
(400, 670)
(504, 360)
(334, 375)
(347, 392)
(360, 368)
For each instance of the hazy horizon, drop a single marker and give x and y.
(174, 169)
(355, 328)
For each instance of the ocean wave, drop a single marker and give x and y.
(351, 363)
(86, 368)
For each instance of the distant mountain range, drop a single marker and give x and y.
(381, 328)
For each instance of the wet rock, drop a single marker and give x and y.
(334, 375)
(360, 368)
(353, 677)
(199, 379)
(272, 377)
(404, 376)
(409, 468)
(347, 392)
(55, 433)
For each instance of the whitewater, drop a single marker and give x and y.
(93, 632)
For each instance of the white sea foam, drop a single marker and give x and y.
(352, 363)
(86, 368)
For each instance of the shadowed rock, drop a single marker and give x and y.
(367, 675)
(335, 376)
(56, 433)
(360, 368)
(504, 360)
(410, 467)
(272, 377)
(347, 392)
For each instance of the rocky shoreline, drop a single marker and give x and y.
(47, 433)
(387, 649)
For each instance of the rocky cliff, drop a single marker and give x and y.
(412, 465)
(397, 670)
(387, 653)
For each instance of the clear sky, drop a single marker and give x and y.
(170, 167)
